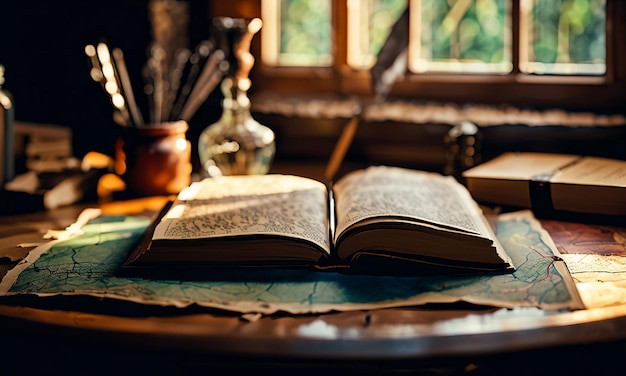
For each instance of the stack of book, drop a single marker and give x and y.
(50, 176)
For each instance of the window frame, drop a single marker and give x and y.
(603, 94)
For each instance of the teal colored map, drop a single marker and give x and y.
(89, 265)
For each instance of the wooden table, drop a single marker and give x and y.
(426, 340)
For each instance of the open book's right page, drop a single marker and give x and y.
(393, 192)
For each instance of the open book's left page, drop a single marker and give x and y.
(245, 212)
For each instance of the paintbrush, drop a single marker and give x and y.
(112, 84)
(212, 73)
(127, 90)
(175, 79)
(196, 61)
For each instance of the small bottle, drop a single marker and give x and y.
(7, 116)
(463, 149)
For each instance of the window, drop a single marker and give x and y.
(554, 37)
(460, 36)
(369, 23)
(297, 33)
(523, 52)
(563, 37)
(492, 62)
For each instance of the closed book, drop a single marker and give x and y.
(549, 182)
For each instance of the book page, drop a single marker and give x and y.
(278, 205)
(389, 191)
(593, 171)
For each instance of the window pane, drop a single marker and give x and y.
(369, 24)
(564, 37)
(460, 36)
(298, 32)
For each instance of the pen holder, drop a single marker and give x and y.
(154, 159)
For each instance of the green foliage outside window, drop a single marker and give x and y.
(568, 31)
(477, 31)
(383, 14)
(305, 31)
(464, 30)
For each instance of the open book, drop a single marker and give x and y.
(384, 220)
(550, 182)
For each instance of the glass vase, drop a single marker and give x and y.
(236, 144)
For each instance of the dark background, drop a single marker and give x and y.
(47, 72)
